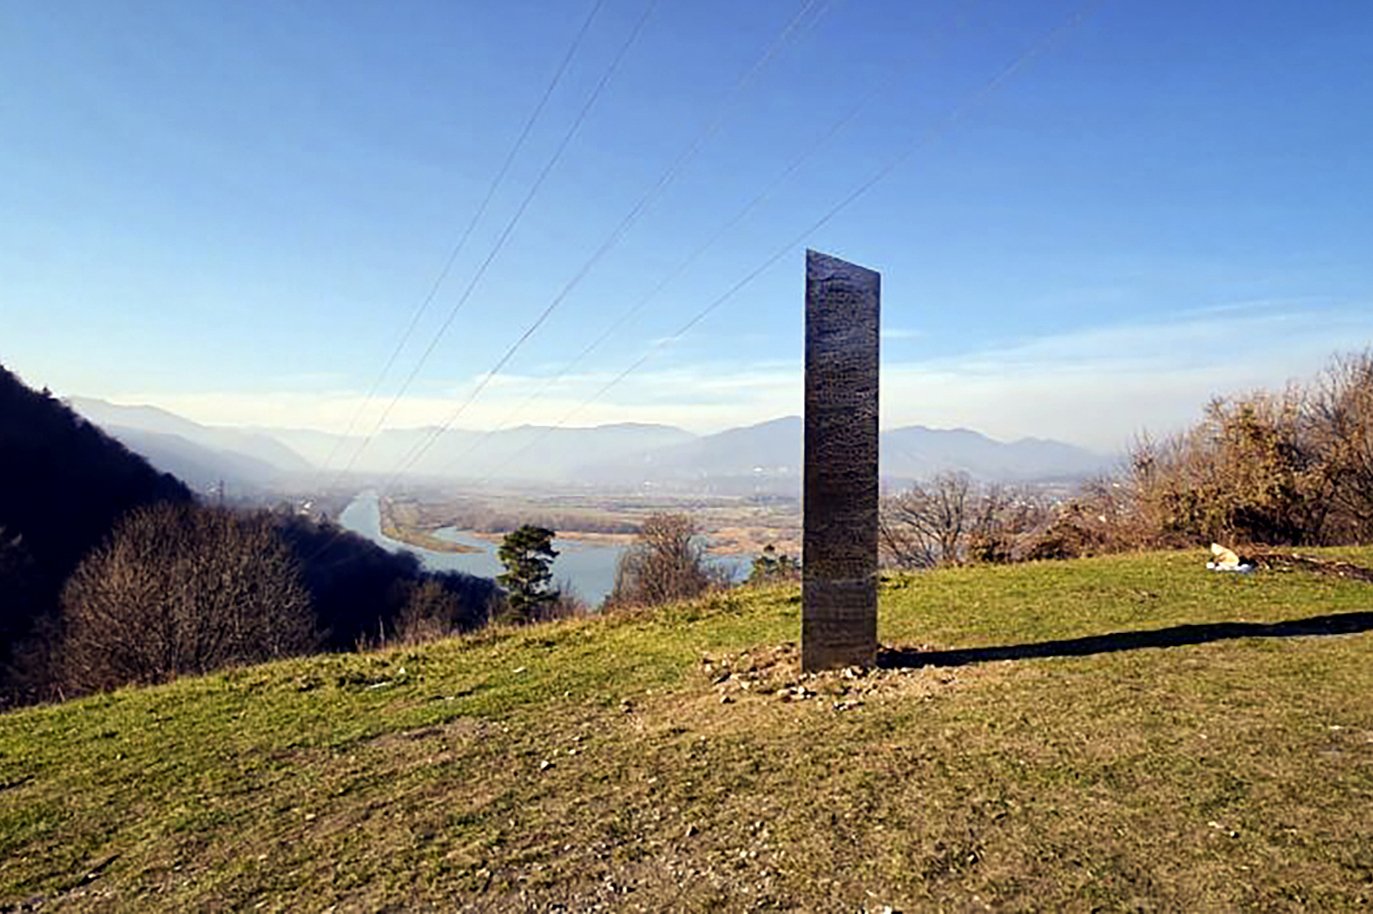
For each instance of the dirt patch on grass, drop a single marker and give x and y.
(458, 731)
(773, 673)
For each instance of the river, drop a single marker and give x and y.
(589, 568)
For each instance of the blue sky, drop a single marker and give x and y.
(232, 210)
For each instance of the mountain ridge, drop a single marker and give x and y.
(763, 456)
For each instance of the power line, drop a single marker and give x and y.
(682, 266)
(621, 228)
(924, 139)
(500, 241)
(928, 136)
(509, 227)
(467, 232)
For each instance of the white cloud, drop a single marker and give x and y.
(1100, 386)
(702, 399)
(1095, 387)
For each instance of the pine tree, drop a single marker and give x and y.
(527, 554)
(772, 565)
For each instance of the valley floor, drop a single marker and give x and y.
(675, 761)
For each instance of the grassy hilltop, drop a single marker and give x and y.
(611, 762)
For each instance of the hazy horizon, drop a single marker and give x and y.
(78, 400)
(1090, 400)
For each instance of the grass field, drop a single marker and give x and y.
(650, 763)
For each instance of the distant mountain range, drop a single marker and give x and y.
(199, 455)
(758, 458)
(768, 456)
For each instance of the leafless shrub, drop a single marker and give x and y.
(430, 612)
(666, 562)
(1293, 467)
(1248, 472)
(1102, 517)
(570, 604)
(1341, 408)
(181, 589)
(1003, 520)
(924, 526)
(953, 519)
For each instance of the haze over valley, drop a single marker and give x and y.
(758, 459)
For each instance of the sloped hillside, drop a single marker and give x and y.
(1118, 733)
(63, 483)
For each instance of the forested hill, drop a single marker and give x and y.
(65, 486)
(63, 483)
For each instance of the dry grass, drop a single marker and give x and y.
(649, 763)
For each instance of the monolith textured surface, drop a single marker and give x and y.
(839, 557)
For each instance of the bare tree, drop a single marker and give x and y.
(924, 526)
(181, 589)
(1248, 472)
(666, 562)
(1342, 426)
(1003, 518)
(570, 604)
(430, 612)
(953, 519)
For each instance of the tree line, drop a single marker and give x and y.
(1286, 468)
(112, 573)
